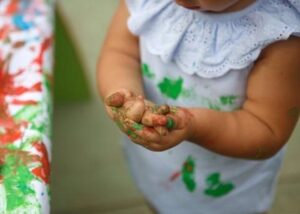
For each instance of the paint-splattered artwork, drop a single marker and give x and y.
(25, 105)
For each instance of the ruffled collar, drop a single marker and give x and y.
(207, 44)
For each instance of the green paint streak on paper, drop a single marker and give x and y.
(216, 188)
(28, 113)
(146, 71)
(188, 171)
(16, 179)
(171, 88)
(228, 100)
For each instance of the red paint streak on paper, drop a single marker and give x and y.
(43, 171)
(13, 7)
(45, 45)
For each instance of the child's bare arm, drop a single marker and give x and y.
(119, 62)
(267, 118)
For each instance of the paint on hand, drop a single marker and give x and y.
(215, 187)
(188, 174)
(131, 134)
(146, 71)
(137, 126)
(171, 88)
(115, 100)
(170, 123)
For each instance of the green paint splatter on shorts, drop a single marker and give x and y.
(171, 88)
(216, 188)
(146, 71)
(228, 100)
(16, 179)
(188, 174)
(28, 113)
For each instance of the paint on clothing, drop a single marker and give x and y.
(146, 71)
(188, 174)
(171, 88)
(217, 188)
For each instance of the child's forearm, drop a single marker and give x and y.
(116, 71)
(236, 134)
(119, 62)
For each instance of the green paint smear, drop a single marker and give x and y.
(137, 126)
(130, 133)
(228, 100)
(188, 171)
(217, 188)
(171, 88)
(16, 179)
(146, 71)
(28, 113)
(170, 123)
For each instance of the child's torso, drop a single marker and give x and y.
(188, 178)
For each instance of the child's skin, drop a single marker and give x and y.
(256, 131)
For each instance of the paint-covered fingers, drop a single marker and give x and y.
(153, 119)
(134, 109)
(118, 98)
(179, 118)
(147, 134)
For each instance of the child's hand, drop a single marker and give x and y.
(180, 126)
(124, 105)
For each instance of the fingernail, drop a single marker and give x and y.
(115, 100)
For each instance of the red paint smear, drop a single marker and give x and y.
(4, 31)
(45, 45)
(12, 8)
(43, 171)
(21, 102)
(12, 128)
(174, 176)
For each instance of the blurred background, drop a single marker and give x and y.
(89, 172)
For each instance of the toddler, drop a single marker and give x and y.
(208, 93)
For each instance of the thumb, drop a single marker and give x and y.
(117, 99)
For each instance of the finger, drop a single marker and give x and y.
(171, 122)
(146, 133)
(152, 119)
(161, 130)
(155, 147)
(135, 109)
(117, 99)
